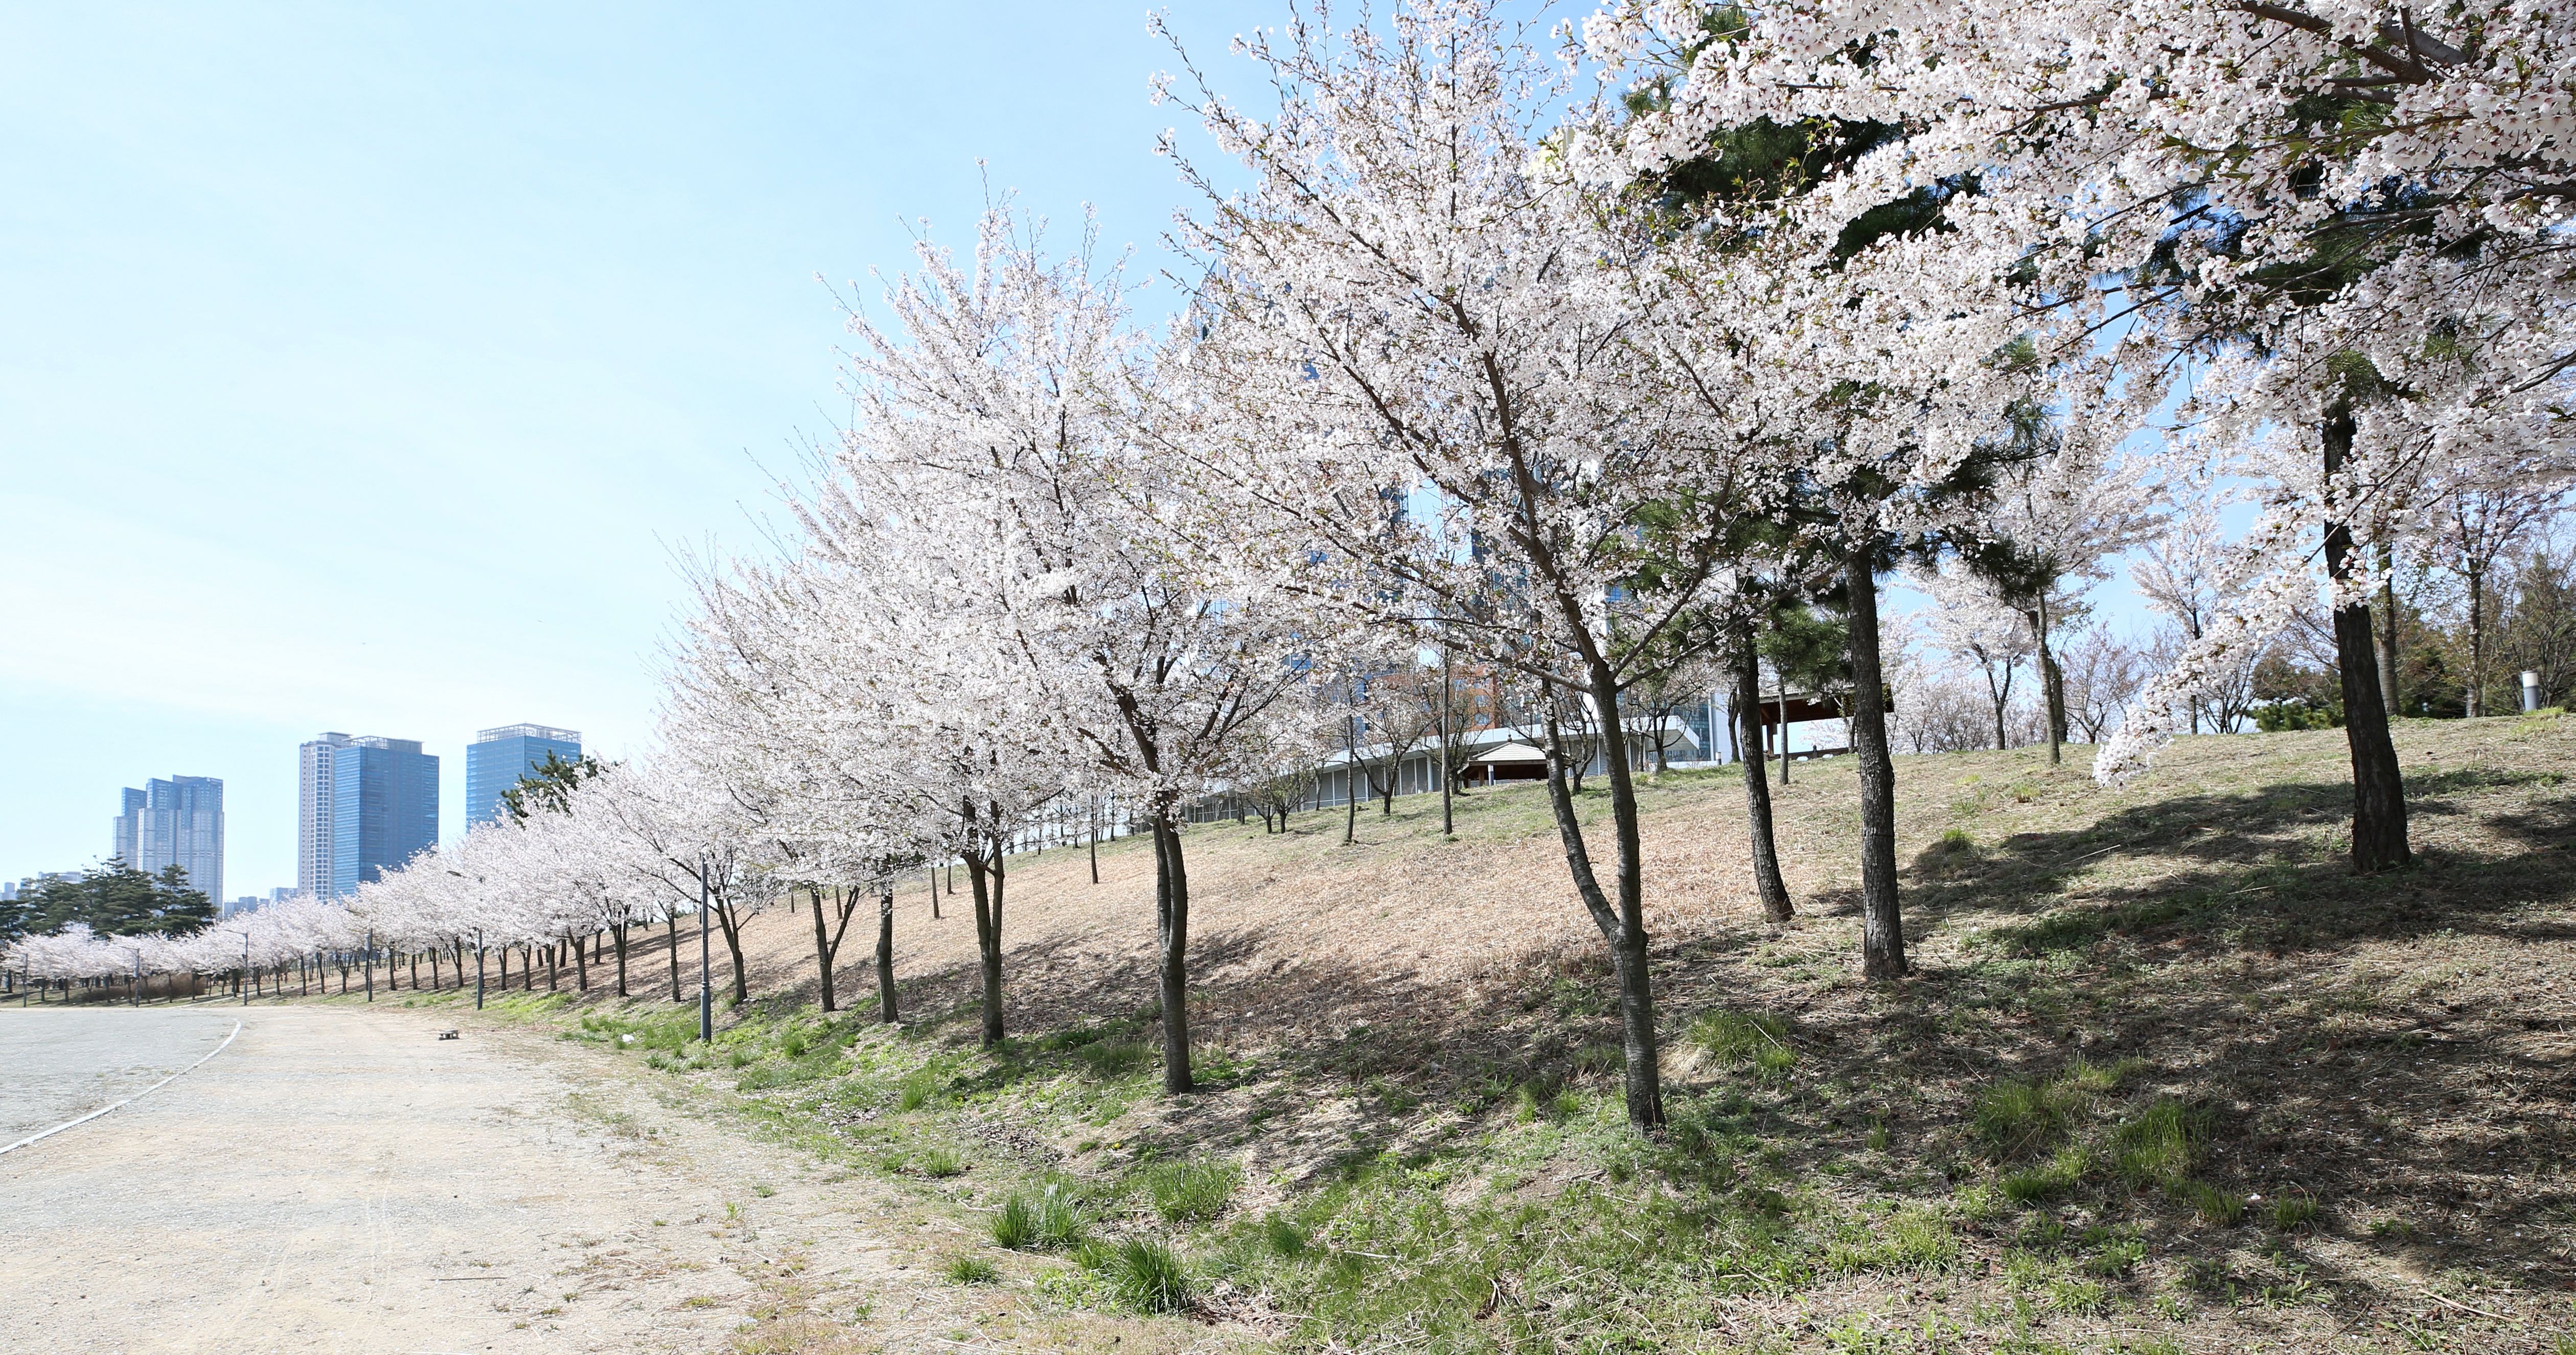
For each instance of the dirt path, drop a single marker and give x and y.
(340, 1179)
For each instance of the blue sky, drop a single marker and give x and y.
(362, 367)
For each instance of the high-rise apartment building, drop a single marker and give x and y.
(497, 758)
(315, 802)
(365, 806)
(178, 822)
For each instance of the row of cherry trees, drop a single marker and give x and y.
(1580, 365)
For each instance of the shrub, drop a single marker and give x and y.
(972, 1270)
(1191, 1192)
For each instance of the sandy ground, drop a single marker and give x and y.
(339, 1179)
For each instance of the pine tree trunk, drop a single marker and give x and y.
(1757, 789)
(1882, 929)
(885, 954)
(1172, 936)
(2378, 794)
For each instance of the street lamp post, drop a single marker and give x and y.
(371, 964)
(706, 985)
(245, 978)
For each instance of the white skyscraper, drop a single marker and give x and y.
(316, 802)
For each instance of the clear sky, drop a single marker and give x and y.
(363, 366)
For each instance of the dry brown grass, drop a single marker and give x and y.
(2396, 1048)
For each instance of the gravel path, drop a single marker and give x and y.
(339, 1179)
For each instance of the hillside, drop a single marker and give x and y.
(2169, 1072)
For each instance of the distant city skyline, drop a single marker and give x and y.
(498, 757)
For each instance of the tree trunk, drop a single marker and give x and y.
(671, 933)
(1882, 931)
(1622, 921)
(1172, 934)
(1757, 789)
(2384, 638)
(619, 931)
(580, 964)
(1093, 835)
(2052, 684)
(2476, 705)
(2378, 794)
(885, 954)
(731, 925)
(827, 945)
(985, 878)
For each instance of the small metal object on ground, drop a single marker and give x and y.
(447, 1035)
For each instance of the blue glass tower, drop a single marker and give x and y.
(497, 758)
(384, 808)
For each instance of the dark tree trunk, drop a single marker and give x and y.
(827, 944)
(885, 954)
(671, 934)
(2476, 705)
(619, 931)
(1622, 921)
(580, 964)
(1882, 931)
(1172, 935)
(2052, 683)
(1757, 789)
(985, 877)
(2378, 795)
(554, 964)
(2385, 641)
(730, 923)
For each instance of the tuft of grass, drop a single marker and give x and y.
(2158, 1146)
(1016, 1226)
(1048, 1221)
(2292, 1212)
(917, 1091)
(972, 1270)
(1757, 1040)
(1194, 1191)
(1110, 1060)
(2213, 1204)
(1147, 1276)
(2018, 1117)
(938, 1162)
(2058, 1175)
(1284, 1238)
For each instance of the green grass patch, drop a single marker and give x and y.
(1194, 1191)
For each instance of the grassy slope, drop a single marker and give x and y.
(2170, 1077)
